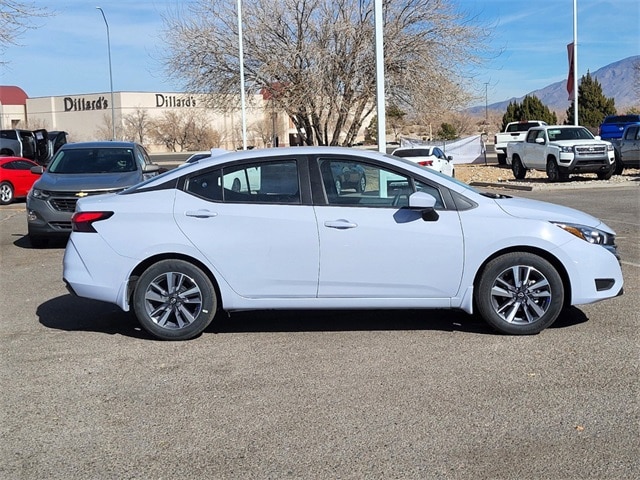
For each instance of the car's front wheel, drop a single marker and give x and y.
(519, 172)
(174, 300)
(519, 293)
(606, 175)
(619, 166)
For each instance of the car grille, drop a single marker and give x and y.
(66, 201)
(587, 150)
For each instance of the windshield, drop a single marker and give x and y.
(93, 160)
(569, 134)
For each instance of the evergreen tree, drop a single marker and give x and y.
(447, 132)
(531, 108)
(593, 106)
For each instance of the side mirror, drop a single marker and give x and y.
(540, 140)
(426, 204)
(450, 158)
(150, 167)
(37, 170)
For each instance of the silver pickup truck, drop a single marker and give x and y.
(627, 149)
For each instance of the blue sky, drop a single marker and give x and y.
(67, 53)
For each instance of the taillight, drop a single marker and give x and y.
(426, 163)
(83, 221)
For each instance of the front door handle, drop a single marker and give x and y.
(200, 213)
(340, 224)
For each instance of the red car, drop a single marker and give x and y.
(15, 178)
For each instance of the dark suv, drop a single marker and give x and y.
(78, 170)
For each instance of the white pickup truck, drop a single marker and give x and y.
(513, 132)
(561, 150)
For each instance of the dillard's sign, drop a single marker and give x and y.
(82, 104)
(174, 101)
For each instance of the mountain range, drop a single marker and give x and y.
(619, 81)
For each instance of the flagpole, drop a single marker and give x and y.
(575, 62)
(380, 98)
(242, 94)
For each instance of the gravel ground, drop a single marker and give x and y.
(495, 174)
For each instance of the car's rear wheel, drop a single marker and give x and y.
(6, 193)
(174, 300)
(519, 293)
(502, 159)
(519, 172)
(362, 184)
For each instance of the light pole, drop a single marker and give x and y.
(113, 108)
(486, 102)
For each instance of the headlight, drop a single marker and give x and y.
(37, 193)
(591, 235)
(566, 149)
(609, 147)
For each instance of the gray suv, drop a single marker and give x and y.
(78, 170)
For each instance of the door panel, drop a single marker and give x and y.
(262, 246)
(370, 247)
(388, 252)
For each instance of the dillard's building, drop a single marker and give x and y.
(87, 117)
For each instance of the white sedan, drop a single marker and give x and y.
(428, 156)
(294, 241)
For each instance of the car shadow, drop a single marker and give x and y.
(70, 313)
(52, 243)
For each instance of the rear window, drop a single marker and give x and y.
(521, 127)
(622, 119)
(93, 160)
(412, 152)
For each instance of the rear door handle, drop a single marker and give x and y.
(200, 213)
(340, 224)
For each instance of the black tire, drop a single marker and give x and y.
(502, 159)
(362, 184)
(553, 172)
(606, 175)
(519, 172)
(174, 300)
(6, 193)
(619, 166)
(519, 293)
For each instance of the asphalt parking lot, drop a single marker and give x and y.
(86, 394)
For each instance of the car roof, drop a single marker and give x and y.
(5, 159)
(101, 144)
(267, 153)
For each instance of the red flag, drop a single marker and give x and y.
(571, 72)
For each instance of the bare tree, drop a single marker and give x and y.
(316, 58)
(105, 131)
(137, 126)
(16, 17)
(184, 131)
